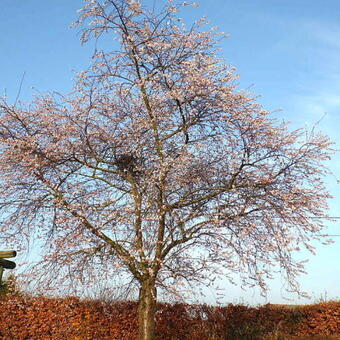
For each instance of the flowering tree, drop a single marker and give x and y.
(158, 165)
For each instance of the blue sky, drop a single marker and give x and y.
(286, 51)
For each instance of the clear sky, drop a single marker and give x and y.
(287, 51)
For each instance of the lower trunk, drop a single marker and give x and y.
(147, 310)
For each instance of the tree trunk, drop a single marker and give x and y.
(147, 310)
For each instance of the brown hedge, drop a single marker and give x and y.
(71, 318)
